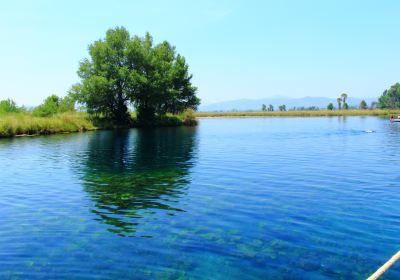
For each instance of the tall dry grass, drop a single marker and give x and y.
(16, 124)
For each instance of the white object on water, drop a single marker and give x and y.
(369, 131)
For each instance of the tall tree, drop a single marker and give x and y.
(344, 97)
(264, 107)
(330, 107)
(339, 103)
(124, 70)
(363, 105)
(270, 108)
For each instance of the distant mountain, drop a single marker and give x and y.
(255, 104)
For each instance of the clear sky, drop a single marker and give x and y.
(235, 49)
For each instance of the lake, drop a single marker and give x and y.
(234, 198)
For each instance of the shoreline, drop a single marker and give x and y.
(316, 113)
(27, 126)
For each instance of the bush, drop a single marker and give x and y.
(9, 106)
(53, 105)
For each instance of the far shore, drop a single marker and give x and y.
(314, 113)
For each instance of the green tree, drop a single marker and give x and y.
(264, 107)
(9, 106)
(363, 105)
(344, 97)
(330, 106)
(124, 70)
(53, 105)
(270, 108)
(339, 103)
(282, 108)
(373, 105)
(390, 98)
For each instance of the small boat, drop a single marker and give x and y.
(395, 120)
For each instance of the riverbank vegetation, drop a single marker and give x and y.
(300, 113)
(25, 123)
(52, 117)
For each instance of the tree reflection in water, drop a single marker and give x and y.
(131, 174)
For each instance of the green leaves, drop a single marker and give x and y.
(390, 98)
(9, 106)
(124, 70)
(53, 105)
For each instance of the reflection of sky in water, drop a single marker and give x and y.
(278, 198)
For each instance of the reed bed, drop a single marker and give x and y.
(21, 124)
(314, 113)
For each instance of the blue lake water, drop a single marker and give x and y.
(245, 198)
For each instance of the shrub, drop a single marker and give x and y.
(53, 105)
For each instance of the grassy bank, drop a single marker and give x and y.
(25, 124)
(18, 124)
(318, 113)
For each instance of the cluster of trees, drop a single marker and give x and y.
(390, 98)
(9, 106)
(271, 108)
(340, 99)
(342, 104)
(124, 71)
(53, 105)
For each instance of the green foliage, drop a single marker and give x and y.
(264, 108)
(339, 103)
(390, 99)
(344, 97)
(9, 106)
(363, 105)
(53, 105)
(124, 70)
(270, 108)
(345, 106)
(189, 118)
(282, 108)
(330, 107)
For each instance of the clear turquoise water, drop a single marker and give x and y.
(250, 198)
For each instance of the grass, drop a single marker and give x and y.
(25, 124)
(21, 124)
(315, 113)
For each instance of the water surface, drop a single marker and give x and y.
(246, 198)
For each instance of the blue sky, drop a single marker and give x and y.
(235, 49)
